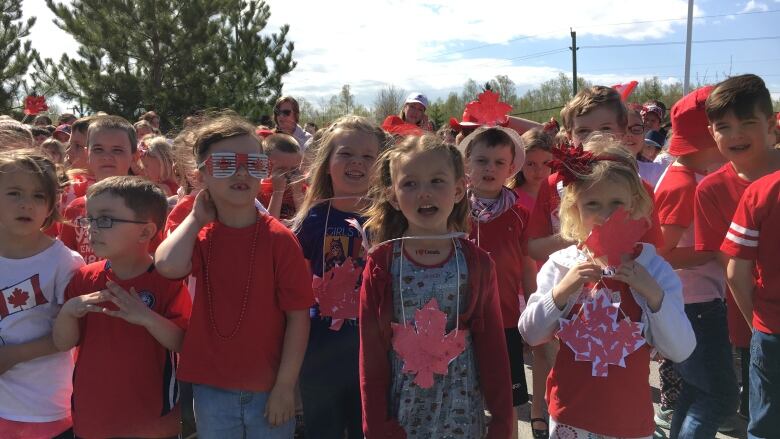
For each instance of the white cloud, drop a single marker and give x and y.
(753, 5)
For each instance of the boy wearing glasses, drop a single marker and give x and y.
(127, 320)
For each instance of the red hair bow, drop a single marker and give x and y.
(571, 162)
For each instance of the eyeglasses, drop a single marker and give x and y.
(637, 129)
(225, 164)
(103, 222)
(279, 112)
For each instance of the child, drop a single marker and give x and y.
(739, 111)
(419, 193)
(751, 244)
(54, 150)
(534, 173)
(126, 319)
(111, 148)
(35, 379)
(283, 192)
(709, 390)
(498, 223)
(619, 404)
(80, 178)
(599, 109)
(330, 384)
(157, 160)
(634, 142)
(250, 320)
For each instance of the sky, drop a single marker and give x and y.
(435, 46)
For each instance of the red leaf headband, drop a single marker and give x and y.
(571, 162)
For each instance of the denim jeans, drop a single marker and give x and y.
(764, 386)
(710, 394)
(330, 382)
(234, 414)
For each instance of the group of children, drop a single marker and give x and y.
(386, 284)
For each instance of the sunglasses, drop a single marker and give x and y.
(225, 164)
(279, 112)
(636, 129)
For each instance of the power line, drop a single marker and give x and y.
(695, 64)
(669, 43)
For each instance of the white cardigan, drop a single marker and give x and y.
(667, 330)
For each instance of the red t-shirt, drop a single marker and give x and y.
(280, 281)
(754, 235)
(717, 196)
(503, 238)
(77, 187)
(618, 405)
(288, 203)
(545, 221)
(179, 212)
(124, 381)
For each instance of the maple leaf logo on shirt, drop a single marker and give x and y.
(18, 298)
(336, 292)
(595, 335)
(617, 237)
(424, 347)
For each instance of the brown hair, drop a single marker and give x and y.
(742, 94)
(55, 145)
(320, 183)
(82, 124)
(215, 129)
(113, 123)
(533, 139)
(281, 142)
(384, 221)
(295, 107)
(149, 116)
(620, 168)
(491, 138)
(589, 99)
(14, 135)
(144, 198)
(33, 162)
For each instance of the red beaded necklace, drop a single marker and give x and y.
(245, 300)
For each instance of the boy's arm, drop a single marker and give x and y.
(680, 257)
(275, 204)
(521, 125)
(11, 355)
(281, 402)
(541, 248)
(739, 275)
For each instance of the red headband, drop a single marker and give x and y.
(573, 162)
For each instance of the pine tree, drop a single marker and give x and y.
(174, 57)
(16, 56)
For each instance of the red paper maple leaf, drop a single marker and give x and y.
(617, 237)
(594, 335)
(18, 298)
(487, 110)
(337, 293)
(34, 105)
(424, 348)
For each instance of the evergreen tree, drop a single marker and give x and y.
(174, 57)
(16, 56)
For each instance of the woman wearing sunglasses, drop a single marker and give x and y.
(286, 115)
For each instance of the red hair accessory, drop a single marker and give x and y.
(552, 127)
(570, 162)
(34, 105)
(486, 110)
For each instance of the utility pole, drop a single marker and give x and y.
(574, 59)
(687, 82)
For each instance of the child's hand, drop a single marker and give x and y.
(204, 211)
(131, 308)
(574, 280)
(637, 277)
(78, 307)
(278, 180)
(280, 406)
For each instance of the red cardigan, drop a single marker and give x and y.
(482, 317)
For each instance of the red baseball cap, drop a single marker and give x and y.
(689, 124)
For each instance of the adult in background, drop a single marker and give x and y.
(286, 116)
(413, 111)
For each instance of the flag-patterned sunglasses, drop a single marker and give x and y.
(225, 164)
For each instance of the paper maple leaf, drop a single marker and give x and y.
(336, 292)
(424, 348)
(34, 105)
(487, 110)
(595, 335)
(18, 298)
(616, 238)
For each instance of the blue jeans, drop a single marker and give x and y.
(234, 414)
(710, 394)
(764, 386)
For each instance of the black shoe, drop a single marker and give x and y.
(540, 433)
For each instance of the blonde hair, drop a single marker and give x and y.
(159, 147)
(384, 221)
(320, 183)
(611, 162)
(33, 162)
(588, 100)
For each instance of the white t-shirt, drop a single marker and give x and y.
(31, 295)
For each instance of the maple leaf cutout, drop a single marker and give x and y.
(337, 294)
(617, 237)
(18, 298)
(425, 348)
(487, 110)
(594, 335)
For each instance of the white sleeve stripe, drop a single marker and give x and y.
(743, 230)
(741, 241)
